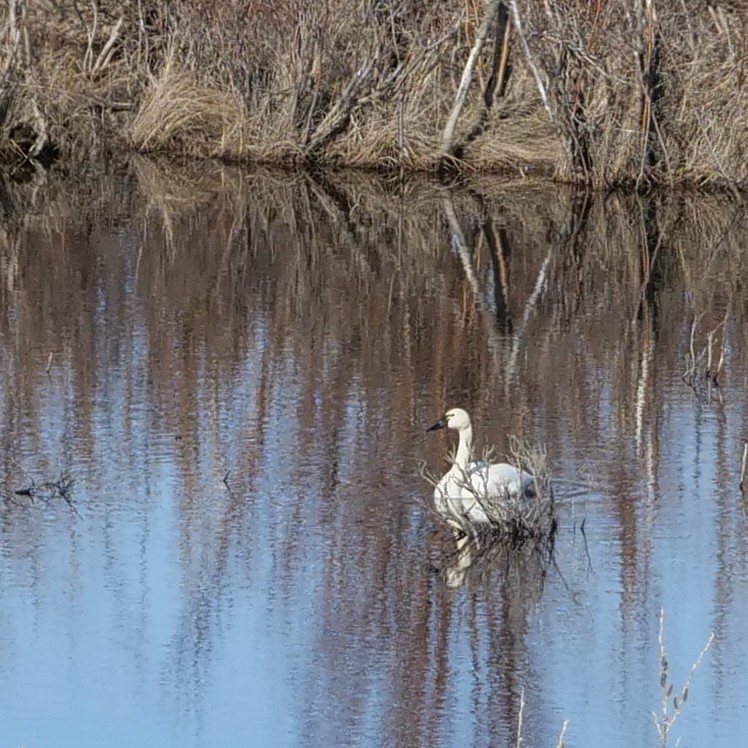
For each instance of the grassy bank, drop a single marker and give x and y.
(600, 93)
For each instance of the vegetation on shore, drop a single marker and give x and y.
(603, 92)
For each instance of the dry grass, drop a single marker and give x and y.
(179, 114)
(75, 73)
(528, 143)
(597, 93)
(642, 96)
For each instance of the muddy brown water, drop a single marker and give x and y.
(235, 373)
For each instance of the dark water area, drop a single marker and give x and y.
(213, 395)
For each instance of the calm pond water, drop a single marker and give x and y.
(229, 376)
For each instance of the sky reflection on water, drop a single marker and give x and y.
(240, 387)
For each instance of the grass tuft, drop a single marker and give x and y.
(181, 114)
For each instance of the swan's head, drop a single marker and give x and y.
(456, 418)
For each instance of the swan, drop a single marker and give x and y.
(456, 496)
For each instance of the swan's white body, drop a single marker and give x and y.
(467, 486)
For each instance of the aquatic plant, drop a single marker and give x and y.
(704, 367)
(673, 699)
(50, 490)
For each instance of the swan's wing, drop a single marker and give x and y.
(503, 478)
(483, 486)
(489, 481)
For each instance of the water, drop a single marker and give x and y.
(237, 370)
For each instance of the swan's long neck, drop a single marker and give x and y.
(464, 448)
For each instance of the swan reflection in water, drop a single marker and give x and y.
(478, 558)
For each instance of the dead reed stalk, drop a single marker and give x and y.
(704, 367)
(520, 718)
(672, 705)
(520, 740)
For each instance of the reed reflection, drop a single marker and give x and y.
(292, 336)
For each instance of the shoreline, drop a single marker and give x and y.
(602, 100)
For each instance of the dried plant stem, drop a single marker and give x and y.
(743, 466)
(693, 336)
(88, 57)
(520, 741)
(520, 718)
(531, 62)
(108, 50)
(703, 378)
(467, 77)
(672, 707)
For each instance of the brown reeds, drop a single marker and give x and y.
(595, 93)
(621, 122)
(703, 368)
(179, 114)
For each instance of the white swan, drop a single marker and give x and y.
(458, 495)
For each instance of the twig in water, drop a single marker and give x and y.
(66, 498)
(586, 544)
(49, 490)
(700, 377)
(227, 484)
(742, 467)
(668, 717)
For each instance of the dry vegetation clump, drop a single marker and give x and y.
(649, 93)
(47, 492)
(604, 94)
(179, 114)
(673, 698)
(518, 519)
(69, 79)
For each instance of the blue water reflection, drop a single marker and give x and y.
(248, 559)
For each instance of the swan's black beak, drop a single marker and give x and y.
(440, 424)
